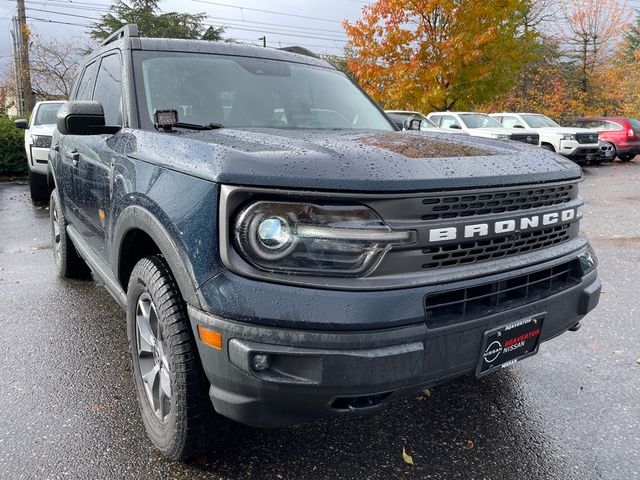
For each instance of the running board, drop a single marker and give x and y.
(99, 268)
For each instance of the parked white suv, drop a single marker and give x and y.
(482, 125)
(577, 144)
(401, 117)
(37, 141)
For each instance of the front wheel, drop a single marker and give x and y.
(68, 263)
(171, 385)
(38, 187)
(626, 157)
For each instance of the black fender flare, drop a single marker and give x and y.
(137, 218)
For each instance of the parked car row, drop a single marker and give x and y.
(584, 140)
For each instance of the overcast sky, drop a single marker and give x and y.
(315, 24)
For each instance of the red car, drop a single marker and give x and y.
(622, 133)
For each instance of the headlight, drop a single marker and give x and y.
(568, 137)
(333, 240)
(41, 141)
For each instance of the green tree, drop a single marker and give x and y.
(153, 23)
(632, 41)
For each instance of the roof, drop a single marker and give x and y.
(127, 38)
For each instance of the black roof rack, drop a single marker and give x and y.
(300, 50)
(130, 30)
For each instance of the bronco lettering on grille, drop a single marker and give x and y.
(502, 227)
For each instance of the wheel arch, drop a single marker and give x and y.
(137, 234)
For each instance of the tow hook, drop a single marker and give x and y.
(576, 327)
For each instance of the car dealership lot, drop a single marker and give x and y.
(573, 411)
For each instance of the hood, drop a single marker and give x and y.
(490, 131)
(348, 160)
(42, 130)
(566, 130)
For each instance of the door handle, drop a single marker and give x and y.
(74, 156)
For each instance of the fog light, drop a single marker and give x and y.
(261, 362)
(588, 260)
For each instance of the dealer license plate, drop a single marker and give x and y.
(506, 345)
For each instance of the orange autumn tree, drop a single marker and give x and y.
(439, 54)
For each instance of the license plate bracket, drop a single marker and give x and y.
(508, 344)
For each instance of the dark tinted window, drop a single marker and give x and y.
(85, 88)
(109, 89)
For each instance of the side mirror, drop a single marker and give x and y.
(82, 118)
(455, 127)
(412, 124)
(22, 123)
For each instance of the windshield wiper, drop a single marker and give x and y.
(197, 126)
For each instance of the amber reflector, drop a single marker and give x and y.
(209, 337)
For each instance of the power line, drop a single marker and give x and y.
(273, 12)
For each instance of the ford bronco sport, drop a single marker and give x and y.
(284, 254)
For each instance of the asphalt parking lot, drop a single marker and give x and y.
(68, 408)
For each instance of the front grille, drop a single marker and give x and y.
(469, 205)
(461, 305)
(484, 250)
(533, 139)
(587, 138)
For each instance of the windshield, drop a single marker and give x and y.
(46, 114)
(253, 92)
(539, 121)
(478, 120)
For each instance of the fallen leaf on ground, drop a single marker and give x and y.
(638, 360)
(426, 392)
(98, 407)
(406, 457)
(469, 444)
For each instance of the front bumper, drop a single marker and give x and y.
(320, 373)
(39, 159)
(575, 150)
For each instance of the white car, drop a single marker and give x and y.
(577, 144)
(482, 125)
(400, 117)
(37, 141)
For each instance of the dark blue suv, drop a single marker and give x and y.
(283, 253)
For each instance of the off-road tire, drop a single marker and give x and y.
(183, 432)
(38, 187)
(68, 263)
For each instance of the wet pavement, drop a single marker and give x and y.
(68, 408)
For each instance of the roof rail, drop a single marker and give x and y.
(130, 30)
(299, 50)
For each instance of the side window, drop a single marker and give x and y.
(611, 127)
(435, 119)
(511, 122)
(449, 122)
(85, 87)
(109, 89)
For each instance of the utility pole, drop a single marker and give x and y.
(15, 43)
(24, 74)
(264, 41)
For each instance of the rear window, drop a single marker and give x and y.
(635, 124)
